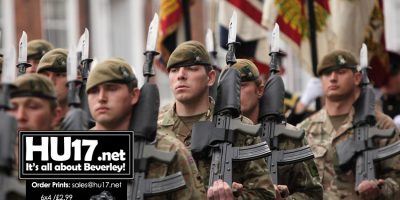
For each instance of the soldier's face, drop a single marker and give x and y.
(340, 84)
(33, 113)
(60, 82)
(250, 94)
(34, 66)
(190, 84)
(110, 103)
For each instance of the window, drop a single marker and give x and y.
(55, 22)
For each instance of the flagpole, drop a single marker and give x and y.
(186, 19)
(313, 41)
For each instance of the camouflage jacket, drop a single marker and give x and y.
(184, 163)
(253, 175)
(323, 138)
(301, 178)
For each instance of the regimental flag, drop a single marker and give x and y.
(366, 26)
(171, 14)
(291, 15)
(250, 33)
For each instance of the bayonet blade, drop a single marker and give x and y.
(9, 73)
(79, 47)
(232, 28)
(210, 41)
(364, 56)
(85, 45)
(275, 39)
(72, 66)
(152, 34)
(23, 48)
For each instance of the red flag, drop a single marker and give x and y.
(170, 20)
(250, 33)
(291, 15)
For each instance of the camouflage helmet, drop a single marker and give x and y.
(335, 60)
(54, 60)
(248, 70)
(37, 48)
(34, 85)
(113, 69)
(187, 54)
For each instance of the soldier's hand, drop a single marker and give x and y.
(221, 190)
(281, 191)
(370, 189)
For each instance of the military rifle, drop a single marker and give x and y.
(76, 119)
(273, 121)
(145, 131)
(218, 136)
(8, 133)
(85, 61)
(361, 146)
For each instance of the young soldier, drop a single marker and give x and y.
(190, 76)
(112, 93)
(36, 50)
(35, 108)
(34, 103)
(333, 124)
(297, 178)
(54, 65)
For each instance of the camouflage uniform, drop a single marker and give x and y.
(322, 138)
(253, 174)
(26, 85)
(300, 178)
(118, 70)
(323, 133)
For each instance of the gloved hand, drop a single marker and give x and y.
(396, 121)
(312, 91)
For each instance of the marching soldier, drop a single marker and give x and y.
(112, 92)
(190, 76)
(35, 108)
(299, 178)
(36, 50)
(333, 124)
(54, 65)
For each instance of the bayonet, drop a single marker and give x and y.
(232, 28)
(274, 51)
(152, 34)
(22, 54)
(275, 39)
(210, 41)
(232, 44)
(150, 52)
(85, 45)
